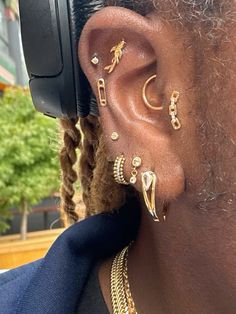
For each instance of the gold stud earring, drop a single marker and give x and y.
(101, 85)
(118, 53)
(149, 181)
(136, 163)
(115, 136)
(95, 60)
(173, 111)
(144, 94)
(118, 170)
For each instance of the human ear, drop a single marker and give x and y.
(142, 131)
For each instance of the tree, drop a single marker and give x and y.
(29, 169)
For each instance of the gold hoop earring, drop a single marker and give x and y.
(149, 181)
(144, 94)
(118, 170)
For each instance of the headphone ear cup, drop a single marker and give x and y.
(50, 33)
(80, 11)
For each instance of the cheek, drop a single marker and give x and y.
(171, 179)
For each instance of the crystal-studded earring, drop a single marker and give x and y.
(95, 60)
(114, 136)
(136, 163)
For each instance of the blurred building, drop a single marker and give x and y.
(12, 67)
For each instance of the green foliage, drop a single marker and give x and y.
(29, 169)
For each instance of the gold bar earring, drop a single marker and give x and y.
(101, 85)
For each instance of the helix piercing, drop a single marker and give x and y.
(95, 60)
(118, 53)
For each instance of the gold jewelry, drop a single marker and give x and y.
(119, 170)
(173, 111)
(95, 60)
(118, 53)
(149, 181)
(144, 94)
(115, 136)
(136, 163)
(101, 85)
(121, 297)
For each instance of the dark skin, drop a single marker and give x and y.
(187, 264)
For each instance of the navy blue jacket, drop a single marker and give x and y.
(54, 283)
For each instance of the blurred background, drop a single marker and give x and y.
(29, 169)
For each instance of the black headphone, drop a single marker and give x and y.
(50, 33)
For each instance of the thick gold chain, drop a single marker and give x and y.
(122, 301)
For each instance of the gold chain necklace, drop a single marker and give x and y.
(122, 301)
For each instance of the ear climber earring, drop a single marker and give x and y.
(95, 60)
(102, 92)
(173, 111)
(149, 181)
(136, 163)
(118, 170)
(118, 53)
(144, 94)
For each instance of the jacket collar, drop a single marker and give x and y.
(58, 283)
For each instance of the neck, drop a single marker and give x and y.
(187, 264)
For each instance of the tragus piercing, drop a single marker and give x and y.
(118, 53)
(144, 94)
(173, 111)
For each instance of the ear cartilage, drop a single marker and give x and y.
(102, 92)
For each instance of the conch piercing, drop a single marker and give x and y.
(118, 53)
(144, 94)
(101, 86)
(173, 111)
(118, 170)
(136, 163)
(95, 60)
(149, 181)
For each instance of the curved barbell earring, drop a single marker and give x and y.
(144, 94)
